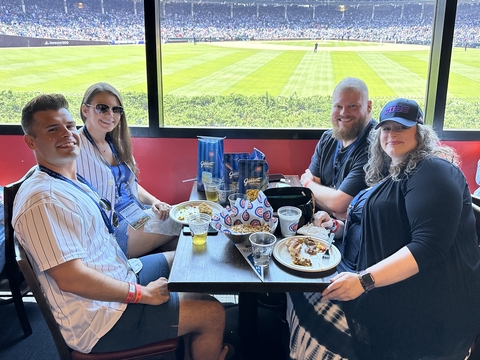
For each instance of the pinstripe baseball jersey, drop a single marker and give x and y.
(57, 222)
(93, 167)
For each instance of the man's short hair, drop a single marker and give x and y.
(351, 83)
(41, 103)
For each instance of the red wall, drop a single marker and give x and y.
(164, 163)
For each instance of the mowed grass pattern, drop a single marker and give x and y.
(286, 68)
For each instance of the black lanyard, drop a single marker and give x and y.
(56, 175)
(337, 167)
(107, 138)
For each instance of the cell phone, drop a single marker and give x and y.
(275, 177)
(211, 230)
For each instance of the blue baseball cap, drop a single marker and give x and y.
(403, 111)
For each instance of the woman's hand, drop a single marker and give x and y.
(161, 209)
(345, 286)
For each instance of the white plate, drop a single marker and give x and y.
(282, 255)
(190, 207)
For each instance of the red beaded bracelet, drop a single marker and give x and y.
(138, 293)
(335, 226)
(131, 293)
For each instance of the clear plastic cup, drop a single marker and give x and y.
(211, 189)
(223, 193)
(198, 224)
(233, 198)
(262, 247)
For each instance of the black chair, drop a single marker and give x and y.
(475, 349)
(11, 279)
(476, 211)
(475, 200)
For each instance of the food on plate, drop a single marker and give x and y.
(301, 261)
(205, 209)
(252, 194)
(312, 230)
(299, 246)
(190, 209)
(247, 228)
(294, 245)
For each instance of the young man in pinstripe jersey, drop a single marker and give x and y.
(97, 300)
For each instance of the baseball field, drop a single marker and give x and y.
(239, 84)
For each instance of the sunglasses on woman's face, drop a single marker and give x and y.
(103, 109)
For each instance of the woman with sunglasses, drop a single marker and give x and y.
(414, 294)
(107, 162)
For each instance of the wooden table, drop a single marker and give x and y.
(219, 268)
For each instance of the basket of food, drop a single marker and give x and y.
(245, 217)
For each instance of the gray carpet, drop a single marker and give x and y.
(13, 344)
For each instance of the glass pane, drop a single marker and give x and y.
(65, 46)
(275, 66)
(463, 96)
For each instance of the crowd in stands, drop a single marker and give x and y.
(49, 20)
(124, 21)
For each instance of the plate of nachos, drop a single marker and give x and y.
(180, 212)
(305, 253)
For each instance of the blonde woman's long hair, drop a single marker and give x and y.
(120, 135)
(380, 164)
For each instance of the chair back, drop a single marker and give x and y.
(475, 200)
(15, 281)
(9, 193)
(32, 281)
(476, 211)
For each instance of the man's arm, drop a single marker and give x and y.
(330, 200)
(74, 277)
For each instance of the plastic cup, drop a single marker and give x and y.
(211, 189)
(198, 224)
(262, 247)
(223, 193)
(289, 217)
(233, 198)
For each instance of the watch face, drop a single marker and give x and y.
(367, 281)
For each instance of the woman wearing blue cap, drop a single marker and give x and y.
(415, 295)
(417, 290)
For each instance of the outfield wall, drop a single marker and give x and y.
(23, 41)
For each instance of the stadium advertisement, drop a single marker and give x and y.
(22, 41)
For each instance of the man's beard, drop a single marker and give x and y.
(350, 133)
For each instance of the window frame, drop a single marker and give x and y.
(435, 97)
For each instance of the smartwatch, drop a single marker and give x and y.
(367, 280)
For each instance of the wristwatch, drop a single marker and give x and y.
(367, 280)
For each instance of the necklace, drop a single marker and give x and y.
(106, 148)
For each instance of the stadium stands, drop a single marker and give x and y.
(123, 20)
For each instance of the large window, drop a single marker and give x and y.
(265, 65)
(463, 97)
(243, 69)
(65, 46)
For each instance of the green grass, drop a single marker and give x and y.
(268, 82)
